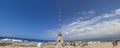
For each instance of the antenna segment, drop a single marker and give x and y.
(60, 16)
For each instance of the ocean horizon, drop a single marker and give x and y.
(43, 40)
(28, 39)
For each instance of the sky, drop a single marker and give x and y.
(81, 19)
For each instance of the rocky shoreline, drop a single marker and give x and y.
(76, 44)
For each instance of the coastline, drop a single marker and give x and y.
(75, 44)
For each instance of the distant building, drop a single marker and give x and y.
(12, 40)
(59, 42)
(59, 39)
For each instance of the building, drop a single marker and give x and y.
(59, 42)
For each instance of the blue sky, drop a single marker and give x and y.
(38, 19)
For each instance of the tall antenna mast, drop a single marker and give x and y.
(60, 15)
(59, 39)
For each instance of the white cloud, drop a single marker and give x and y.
(90, 12)
(97, 27)
(117, 11)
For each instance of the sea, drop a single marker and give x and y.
(84, 40)
(28, 39)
